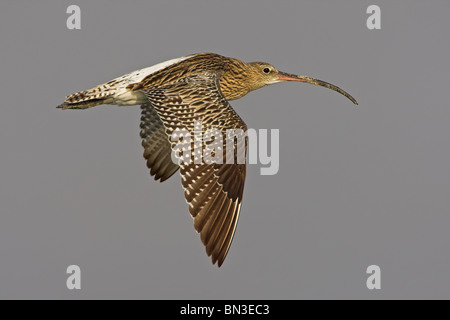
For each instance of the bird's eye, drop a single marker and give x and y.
(266, 70)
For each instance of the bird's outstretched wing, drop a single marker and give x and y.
(213, 190)
(157, 148)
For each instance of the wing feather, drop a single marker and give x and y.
(213, 190)
(157, 148)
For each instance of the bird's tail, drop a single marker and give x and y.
(88, 98)
(81, 105)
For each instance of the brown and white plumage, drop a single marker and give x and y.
(173, 95)
(157, 148)
(213, 191)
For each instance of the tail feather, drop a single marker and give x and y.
(82, 104)
(89, 98)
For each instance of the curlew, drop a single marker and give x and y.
(175, 94)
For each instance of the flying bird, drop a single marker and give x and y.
(173, 95)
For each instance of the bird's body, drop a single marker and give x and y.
(176, 93)
(126, 90)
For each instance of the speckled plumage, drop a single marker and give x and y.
(213, 191)
(174, 95)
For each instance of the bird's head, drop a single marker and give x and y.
(265, 74)
(255, 75)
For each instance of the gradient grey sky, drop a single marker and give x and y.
(357, 185)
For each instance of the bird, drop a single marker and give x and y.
(173, 95)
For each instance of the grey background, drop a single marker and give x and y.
(357, 185)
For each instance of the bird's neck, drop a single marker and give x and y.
(234, 82)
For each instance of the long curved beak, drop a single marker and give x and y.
(283, 76)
